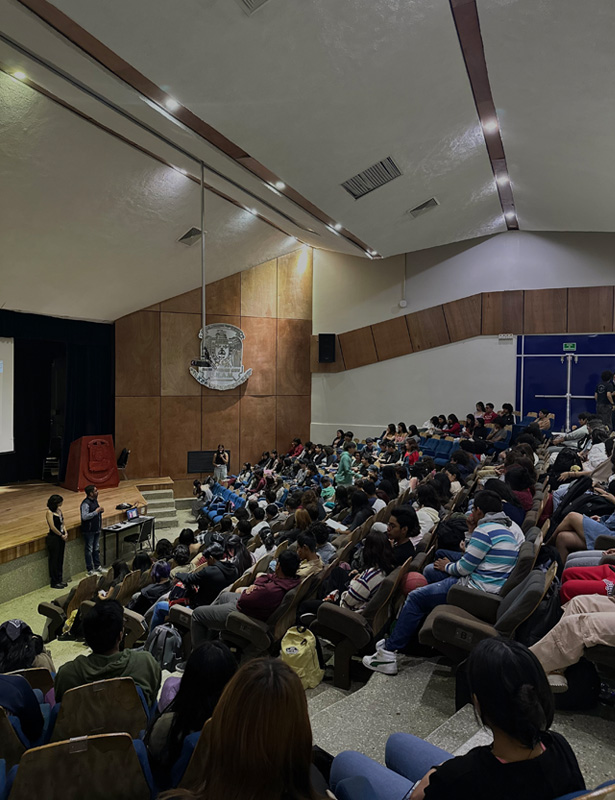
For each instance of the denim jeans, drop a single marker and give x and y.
(408, 758)
(161, 609)
(434, 575)
(417, 606)
(92, 551)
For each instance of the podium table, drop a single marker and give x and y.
(123, 527)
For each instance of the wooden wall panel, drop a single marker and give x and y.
(259, 290)
(358, 347)
(137, 427)
(295, 285)
(180, 431)
(391, 338)
(259, 354)
(187, 303)
(428, 328)
(335, 366)
(293, 362)
(224, 296)
(220, 425)
(463, 317)
(256, 426)
(180, 343)
(293, 419)
(137, 355)
(545, 311)
(590, 309)
(502, 312)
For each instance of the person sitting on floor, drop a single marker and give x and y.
(489, 558)
(258, 601)
(189, 702)
(511, 697)
(103, 627)
(20, 648)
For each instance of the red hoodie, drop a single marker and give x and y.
(260, 600)
(295, 452)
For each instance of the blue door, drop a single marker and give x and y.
(543, 368)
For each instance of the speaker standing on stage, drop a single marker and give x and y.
(56, 539)
(91, 525)
(220, 464)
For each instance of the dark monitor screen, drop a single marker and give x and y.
(202, 460)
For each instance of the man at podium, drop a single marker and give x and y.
(91, 525)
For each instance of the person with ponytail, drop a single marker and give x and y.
(512, 698)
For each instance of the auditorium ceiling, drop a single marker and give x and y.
(116, 103)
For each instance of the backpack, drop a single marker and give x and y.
(566, 458)
(583, 688)
(299, 651)
(543, 619)
(165, 644)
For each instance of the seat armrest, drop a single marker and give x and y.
(462, 633)
(253, 630)
(482, 605)
(180, 616)
(349, 624)
(604, 542)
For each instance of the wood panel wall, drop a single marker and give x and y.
(531, 311)
(162, 412)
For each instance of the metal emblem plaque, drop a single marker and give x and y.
(220, 366)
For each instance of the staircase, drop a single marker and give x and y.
(161, 505)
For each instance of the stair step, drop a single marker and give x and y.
(163, 503)
(457, 732)
(158, 494)
(184, 503)
(325, 699)
(163, 513)
(165, 523)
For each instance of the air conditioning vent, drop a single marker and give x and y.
(372, 178)
(190, 237)
(423, 208)
(250, 6)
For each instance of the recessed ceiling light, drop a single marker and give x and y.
(490, 126)
(503, 180)
(21, 76)
(337, 226)
(252, 211)
(171, 104)
(279, 185)
(292, 238)
(183, 171)
(510, 215)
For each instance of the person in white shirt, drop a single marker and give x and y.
(454, 475)
(402, 478)
(427, 505)
(369, 487)
(261, 522)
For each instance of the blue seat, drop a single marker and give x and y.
(180, 766)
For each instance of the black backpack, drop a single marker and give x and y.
(578, 488)
(583, 688)
(566, 459)
(543, 619)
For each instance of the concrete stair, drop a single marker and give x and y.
(184, 503)
(161, 505)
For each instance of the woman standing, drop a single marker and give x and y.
(56, 539)
(220, 464)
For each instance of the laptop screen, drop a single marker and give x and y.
(132, 513)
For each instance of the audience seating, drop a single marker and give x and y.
(109, 706)
(187, 772)
(37, 677)
(97, 767)
(60, 609)
(12, 744)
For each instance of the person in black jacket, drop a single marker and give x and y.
(212, 579)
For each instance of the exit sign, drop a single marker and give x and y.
(570, 347)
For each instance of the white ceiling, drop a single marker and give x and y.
(316, 90)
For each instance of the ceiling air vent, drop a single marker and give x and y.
(190, 237)
(372, 178)
(250, 6)
(423, 208)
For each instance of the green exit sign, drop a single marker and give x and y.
(570, 347)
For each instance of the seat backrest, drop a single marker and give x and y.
(281, 548)
(520, 603)
(11, 746)
(101, 707)
(523, 567)
(146, 530)
(379, 617)
(146, 579)
(288, 610)
(37, 677)
(128, 587)
(95, 767)
(86, 589)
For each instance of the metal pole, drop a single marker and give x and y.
(568, 394)
(203, 305)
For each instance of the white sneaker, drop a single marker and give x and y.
(99, 571)
(382, 661)
(91, 572)
(557, 682)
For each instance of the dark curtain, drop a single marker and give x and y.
(89, 349)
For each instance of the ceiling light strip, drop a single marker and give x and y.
(467, 24)
(125, 72)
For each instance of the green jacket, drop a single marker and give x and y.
(139, 665)
(344, 475)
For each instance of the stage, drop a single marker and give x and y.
(23, 528)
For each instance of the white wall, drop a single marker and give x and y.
(412, 388)
(350, 292)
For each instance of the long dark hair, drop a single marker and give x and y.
(511, 689)
(240, 554)
(208, 669)
(504, 490)
(377, 551)
(389, 473)
(54, 502)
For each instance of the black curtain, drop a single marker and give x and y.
(89, 349)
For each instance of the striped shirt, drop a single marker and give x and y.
(490, 556)
(361, 589)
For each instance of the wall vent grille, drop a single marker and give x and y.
(372, 178)
(190, 237)
(423, 208)
(250, 6)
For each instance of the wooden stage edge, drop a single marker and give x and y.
(23, 528)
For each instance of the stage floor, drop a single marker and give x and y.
(23, 529)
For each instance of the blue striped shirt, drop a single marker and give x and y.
(490, 556)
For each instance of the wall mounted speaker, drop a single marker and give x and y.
(326, 348)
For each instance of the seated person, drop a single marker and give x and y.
(18, 699)
(161, 583)
(268, 546)
(543, 421)
(258, 514)
(598, 579)
(573, 438)
(238, 554)
(489, 558)
(588, 620)
(402, 529)
(164, 550)
(454, 475)
(324, 549)
(428, 507)
(511, 697)
(410, 453)
(521, 483)
(259, 600)
(452, 427)
(376, 503)
(103, 628)
(22, 649)
(391, 455)
(181, 560)
(207, 582)
(187, 537)
(208, 669)
(311, 562)
(489, 414)
(511, 505)
(579, 532)
(402, 477)
(327, 492)
(360, 510)
(451, 544)
(462, 461)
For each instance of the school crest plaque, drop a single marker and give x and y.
(220, 366)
